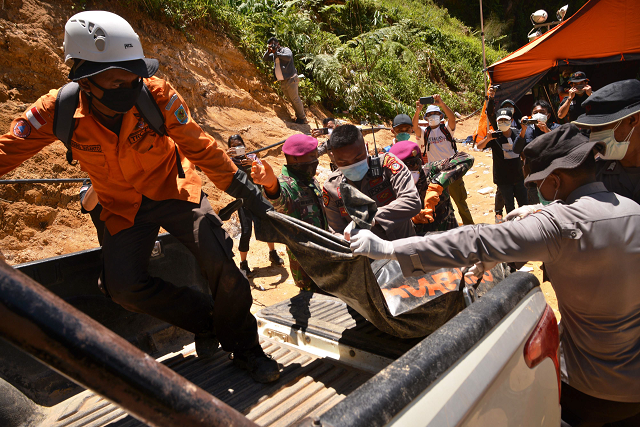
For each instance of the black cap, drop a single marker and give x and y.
(402, 119)
(144, 67)
(563, 148)
(610, 104)
(506, 113)
(578, 76)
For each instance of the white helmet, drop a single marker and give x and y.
(105, 39)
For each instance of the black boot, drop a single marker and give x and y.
(206, 344)
(244, 267)
(261, 367)
(275, 258)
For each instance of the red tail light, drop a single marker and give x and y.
(544, 342)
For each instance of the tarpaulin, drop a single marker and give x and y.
(602, 31)
(404, 307)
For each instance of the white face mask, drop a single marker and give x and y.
(615, 150)
(415, 175)
(504, 126)
(434, 120)
(330, 130)
(540, 117)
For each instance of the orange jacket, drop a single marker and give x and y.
(134, 163)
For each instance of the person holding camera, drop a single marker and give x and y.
(236, 152)
(507, 167)
(538, 124)
(285, 72)
(579, 92)
(437, 143)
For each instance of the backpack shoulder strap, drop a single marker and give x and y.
(63, 121)
(150, 112)
(425, 138)
(447, 134)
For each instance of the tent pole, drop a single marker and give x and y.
(484, 64)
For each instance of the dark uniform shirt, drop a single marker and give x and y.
(620, 180)
(395, 195)
(442, 172)
(507, 167)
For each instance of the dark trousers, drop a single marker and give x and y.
(246, 226)
(581, 410)
(511, 191)
(126, 260)
(499, 202)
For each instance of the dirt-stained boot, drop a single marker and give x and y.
(261, 367)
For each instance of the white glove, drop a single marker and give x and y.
(349, 230)
(479, 268)
(368, 244)
(522, 212)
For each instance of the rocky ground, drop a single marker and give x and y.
(226, 95)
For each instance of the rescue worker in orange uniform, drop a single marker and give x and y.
(136, 174)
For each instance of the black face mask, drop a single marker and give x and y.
(121, 99)
(305, 170)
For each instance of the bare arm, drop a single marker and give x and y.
(451, 118)
(416, 119)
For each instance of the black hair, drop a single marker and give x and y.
(273, 39)
(543, 104)
(235, 137)
(326, 121)
(344, 135)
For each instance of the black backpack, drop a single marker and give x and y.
(446, 134)
(67, 103)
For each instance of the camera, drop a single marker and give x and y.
(496, 133)
(240, 151)
(528, 121)
(324, 131)
(426, 100)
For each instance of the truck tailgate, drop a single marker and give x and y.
(309, 385)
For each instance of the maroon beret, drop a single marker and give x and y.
(405, 149)
(299, 145)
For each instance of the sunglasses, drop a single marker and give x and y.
(413, 162)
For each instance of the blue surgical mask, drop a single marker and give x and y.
(356, 171)
(403, 136)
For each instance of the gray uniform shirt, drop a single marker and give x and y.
(591, 250)
(395, 195)
(285, 57)
(617, 178)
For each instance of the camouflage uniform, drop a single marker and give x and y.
(442, 172)
(301, 201)
(395, 195)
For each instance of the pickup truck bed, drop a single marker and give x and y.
(310, 383)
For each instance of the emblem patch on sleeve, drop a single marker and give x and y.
(395, 168)
(22, 129)
(35, 118)
(181, 115)
(325, 197)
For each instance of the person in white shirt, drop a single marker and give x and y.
(436, 143)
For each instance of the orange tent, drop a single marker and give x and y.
(602, 31)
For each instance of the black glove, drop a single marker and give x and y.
(242, 188)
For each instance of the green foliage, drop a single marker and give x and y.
(367, 57)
